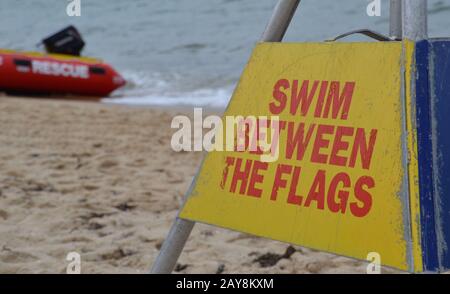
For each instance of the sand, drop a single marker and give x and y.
(102, 180)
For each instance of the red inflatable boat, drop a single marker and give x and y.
(36, 73)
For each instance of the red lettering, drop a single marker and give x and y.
(302, 98)
(320, 100)
(365, 150)
(279, 182)
(340, 145)
(279, 96)
(317, 191)
(339, 103)
(292, 197)
(229, 161)
(362, 195)
(256, 178)
(320, 143)
(299, 141)
(240, 176)
(342, 194)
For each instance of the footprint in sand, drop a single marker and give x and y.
(14, 174)
(10, 256)
(3, 215)
(90, 187)
(107, 164)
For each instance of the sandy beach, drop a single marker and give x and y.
(102, 180)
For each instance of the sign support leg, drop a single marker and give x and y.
(181, 228)
(172, 246)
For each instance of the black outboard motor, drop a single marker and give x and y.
(67, 41)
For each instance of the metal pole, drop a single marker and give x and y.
(181, 228)
(395, 13)
(415, 20)
(172, 246)
(280, 20)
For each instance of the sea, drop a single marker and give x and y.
(187, 52)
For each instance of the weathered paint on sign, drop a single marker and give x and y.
(412, 155)
(440, 108)
(347, 167)
(433, 108)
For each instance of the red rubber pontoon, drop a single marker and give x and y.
(36, 73)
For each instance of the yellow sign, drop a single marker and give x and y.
(341, 181)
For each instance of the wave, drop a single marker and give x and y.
(155, 89)
(216, 98)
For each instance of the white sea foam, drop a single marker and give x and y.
(145, 88)
(205, 97)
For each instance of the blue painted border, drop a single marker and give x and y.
(425, 158)
(440, 101)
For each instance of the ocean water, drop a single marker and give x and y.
(190, 52)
